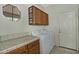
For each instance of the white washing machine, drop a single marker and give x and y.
(45, 42)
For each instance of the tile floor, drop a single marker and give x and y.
(59, 50)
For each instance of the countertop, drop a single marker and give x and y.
(9, 45)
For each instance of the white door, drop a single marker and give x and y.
(67, 30)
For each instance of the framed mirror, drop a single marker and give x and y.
(12, 12)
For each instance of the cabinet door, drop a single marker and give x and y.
(20, 50)
(44, 18)
(36, 16)
(33, 48)
(26, 49)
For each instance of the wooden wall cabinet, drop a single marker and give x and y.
(37, 16)
(31, 48)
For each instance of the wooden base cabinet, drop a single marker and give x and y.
(20, 50)
(31, 48)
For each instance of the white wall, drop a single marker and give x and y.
(56, 10)
(78, 28)
(7, 26)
